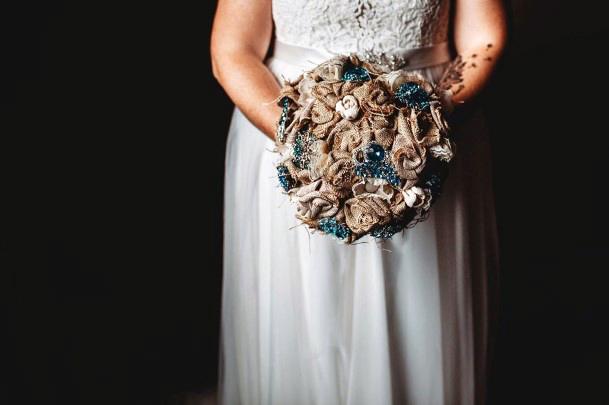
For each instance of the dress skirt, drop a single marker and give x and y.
(308, 320)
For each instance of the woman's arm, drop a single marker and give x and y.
(480, 36)
(240, 38)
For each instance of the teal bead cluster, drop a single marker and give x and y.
(285, 179)
(412, 95)
(378, 170)
(332, 227)
(356, 74)
(388, 230)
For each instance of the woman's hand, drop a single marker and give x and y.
(480, 34)
(240, 38)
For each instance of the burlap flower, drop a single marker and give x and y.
(345, 88)
(364, 212)
(374, 99)
(325, 119)
(381, 128)
(347, 136)
(290, 90)
(305, 90)
(330, 70)
(320, 159)
(313, 203)
(339, 176)
(407, 155)
(397, 204)
(326, 93)
(424, 129)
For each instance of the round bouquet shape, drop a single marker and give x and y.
(362, 150)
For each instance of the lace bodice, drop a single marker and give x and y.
(367, 26)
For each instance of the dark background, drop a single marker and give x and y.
(111, 180)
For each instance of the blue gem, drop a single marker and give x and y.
(355, 73)
(375, 153)
(285, 180)
(331, 227)
(412, 95)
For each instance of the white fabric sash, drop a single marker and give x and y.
(410, 59)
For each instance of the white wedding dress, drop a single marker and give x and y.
(308, 320)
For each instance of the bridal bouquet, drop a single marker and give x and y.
(362, 150)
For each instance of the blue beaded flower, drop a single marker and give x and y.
(388, 230)
(331, 227)
(412, 95)
(378, 170)
(356, 74)
(285, 179)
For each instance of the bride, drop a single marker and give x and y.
(307, 320)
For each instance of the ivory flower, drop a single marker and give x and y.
(416, 197)
(348, 107)
(442, 151)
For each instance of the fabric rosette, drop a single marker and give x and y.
(362, 150)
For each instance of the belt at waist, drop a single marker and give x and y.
(407, 58)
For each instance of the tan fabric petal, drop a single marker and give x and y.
(321, 131)
(364, 212)
(407, 155)
(321, 113)
(313, 203)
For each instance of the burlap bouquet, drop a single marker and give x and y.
(362, 150)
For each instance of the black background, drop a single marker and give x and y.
(111, 180)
